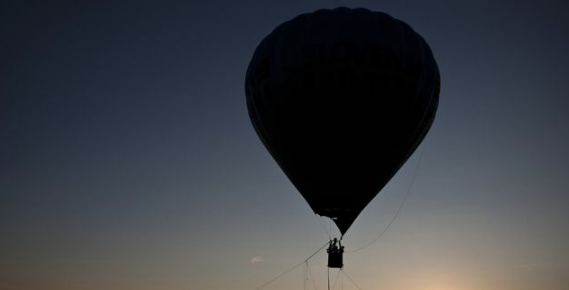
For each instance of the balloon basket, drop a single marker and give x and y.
(335, 257)
(335, 260)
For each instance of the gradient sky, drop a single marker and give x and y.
(128, 162)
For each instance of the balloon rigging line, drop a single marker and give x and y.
(335, 279)
(409, 189)
(351, 280)
(328, 271)
(305, 275)
(308, 275)
(311, 276)
(296, 266)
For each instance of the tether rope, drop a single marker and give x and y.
(335, 280)
(400, 205)
(351, 280)
(289, 270)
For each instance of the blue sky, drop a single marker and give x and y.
(127, 159)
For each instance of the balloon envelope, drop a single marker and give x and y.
(341, 98)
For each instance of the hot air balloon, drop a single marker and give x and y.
(341, 98)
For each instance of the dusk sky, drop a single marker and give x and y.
(128, 161)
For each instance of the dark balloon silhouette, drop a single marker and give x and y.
(341, 98)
